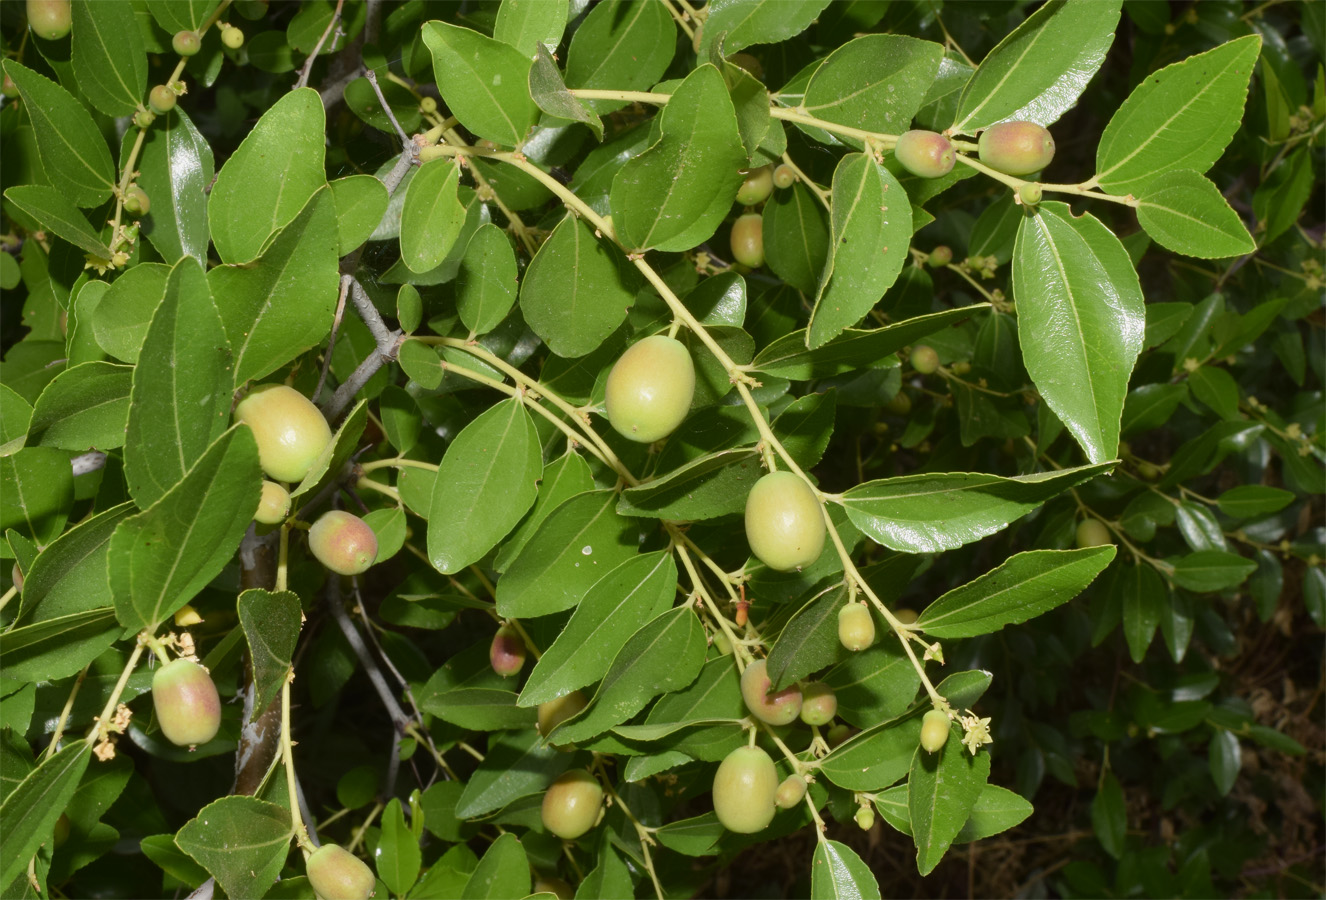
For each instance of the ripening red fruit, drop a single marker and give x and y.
(780, 708)
(343, 542)
(650, 388)
(1016, 148)
(926, 154)
(335, 873)
(572, 804)
(745, 788)
(290, 431)
(187, 705)
(507, 653)
(757, 187)
(784, 523)
(819, 704)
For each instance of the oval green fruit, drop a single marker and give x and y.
(274, 505)
(50, 19)
(757, 187)
(187, 705)
(784, 522)
(507, 652)
(745, 788)
(926, 154)
(747, 240)
(343, 542)
(1016, 148)
(335, 873)
(551, 884)
(925, 360)
(940, 256)
(162, 99)
(1030, 194)
(819, 704)
(779, 708)
(650, 388)
(136, 202)
(232, 37)
(555, 712)
(865, 818)
(291, 432)
(790, 792)
(571, 805)
(186, 43)
(934, 730)
(1093, 533)
(856, 627)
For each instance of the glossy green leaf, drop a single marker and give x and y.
(83, 407)
(484, 82)
(1225, 758)
(1279, 200)
(181, 396)
(120, 320)
(873, 83)
(53, 209)
(180, 15)
(549, 90)
(517, 764)
(1185, 212)
(796, 237)
(502, 872)
(1181, 117)
(31, 809)
(487, 480)
(1039, 69)
(610, 878)
(871, 230)
(878, 757)
(942, 790)
(874, 685)
(742, 23)
(1081, 320)
(563, 478)
(486, 282)
(621, 45)
(619, 604)
(1144, 598)
(398, 857)
(1109, 815)
(38, 486)
(1150, 406)
(361, 201)
(1249, 500)
(940, 511)
(266, 183)
(57, 648)
(15, 416)
(712, 485)
(69, 576)
(1024, 586)
(241, 841)
(176, 168)
(530, 24)
(389, 526)
(1217, 389)
(271, 623)
(997, 809)
(345, 440)
(837, 873)
(809, 641)
(108, 56)
(432, 217)
(1209, 571)
(480, 709)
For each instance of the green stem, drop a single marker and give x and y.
(296, 818)
(99, 728)
(399, 462)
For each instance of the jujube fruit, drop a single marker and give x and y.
(650, 388)
(819, 704)
(1093, 533)
(343, 542)
(784, 522)
(186, 43)
(187, 705)
(940, 256)
(856, 627)
(162, 99)
(290, 431)
(1016, 148)
(1030, 194)
(551, 884)
(924, 359)
(905, 616)
(838, 733)
(790, 792)
(747, 240)
(744, 790)
(17, 574)
(865, 818)
(50, 19)
(232, 37)
(335, 873)
(274, 505)
(555, 712)
(136, 202)
(507, 652)
(571, 805)
(784, 177)
(926, 154)
(757, 187)
(780, 708)
(934, 730)
(899, 404)
(427, 105)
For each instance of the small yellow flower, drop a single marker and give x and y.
(977, 731)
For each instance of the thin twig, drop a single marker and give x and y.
(372, 318)
(337, 605)
(366, 370)
(373, 80)
(331, 341)
(312, 57)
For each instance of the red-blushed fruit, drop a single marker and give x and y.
(819, 704)
(507, 652)
(940, 256)
(924, 359)
(274, 505)
(1093, 533)
(232, 37)
(335, 873)
(17, 575)
(1016, 148)
(162, 99)
(926, 154)
(856, 627)
(290, 431)
(555, 712)
(50, 19)
(790, 792)
(779, 708)
(744, 790)
(784, 523)
(934, 730)
(343, 542)
(747, 240)
(571, 805)
(136, 202)
(649, 390)
(187, 705)
(757, 187)
(784, 177)
(186, 43)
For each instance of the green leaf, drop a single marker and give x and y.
(577, 289)
(941, 792)
(162, 557)
(663, 655)
(31, 809)
(741, 23)
(84, 406)
(108, 56)
(997, 809)
(874, 83)
(161, 849)
(871, 230)
(389, 526)
(327, 466)
(796, 237)
(1279, 199)
(563, 478)
(1217, 389)
(486, 283)
(398, 857)
(480, 709)
(282, 304)
(1022, 587)
(517, 764)
(1181, 117)
(1185, 212)
(530, 24)
(54, 210)
(484, 82)
(610, 878)
(38, 486)
(266, 183)
(361, 201)
(503, 872)
(432, 217)
(70, 575)
(271, 623)
(241, 841)
(1209, 571)
(181, 395)
(68, 141)
(549, 90)
(1225, 758)
(941, 511)
(15, 416)
(1109, 816)
(877, 758)
(1150, 406)
(176, 168)
(674, 195)
(874, 685)
(1039, 69)
(621, 46)
(619, 604)
(120, 320)
(577, 544)
(487, 480)
(181, 15)
(1249, 500)
(712, 485)
(809, 641)
(837, 873)
(1143, 601)
(57, 648)
(1081, 320)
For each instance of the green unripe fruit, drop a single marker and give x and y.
(555, 712)
(549, 884)
(187, 705)
(924, 359)
(343, 542)
(749, 63)
(899, 404)
(856, 627)
(1030, 194)
(784, 522)
(961, 368)
(747, 240)
(144, 117)
(232, 37)
(162, 99)
(722, 644)
(744, 790)
(790, 792)
(186, 43)
(274, 506)
(757, 187)
(62, 829)
(1147, 470)
(819, 704)
(572, 804)
(865, 818)
(507, 653)
(925, 154)
(290, 431)
(50, 19)
(784, 177)
(934, 730)
(940, 256)
(838, 733)
(136, 202)
(905, 616)
(650, 388)
(1093, 533)
(428, 105)
(335, 873)
(781, 708)
(1016, 148)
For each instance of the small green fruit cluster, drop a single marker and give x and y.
(186, 43)
(572, 804)
(555, 712)
(784, 522)
(1093, 533)
(747, 240)
(650, 388)
(779, 708)
(343, 542)
(187, 705)
(50, 19)
(274, 506)
(507, 652)
(925, 360)
(926, 154)
(290, 431)
(136, 202)
(335, 873)
(934, 730)
(745, 790)
(856, 627)
(1016, 148)
(757, 186)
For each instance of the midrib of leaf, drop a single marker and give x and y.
(1175, 211)
(87, 408)
(843, 99)
(485, 475)
(438, 198)
(835, 235)
(80, 229)
(754, 8)
(35, 111)
(991, 480)
(1031, 580)
(994, 92)
(231, 847)
(492, 98)
(799, 197)
(699, 702)
(617, 45)
(129, 92)
(684, 152)
(889, 664)
(51, 782)
(269, 291)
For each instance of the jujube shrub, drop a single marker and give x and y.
(650, 388)
(784, 523)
